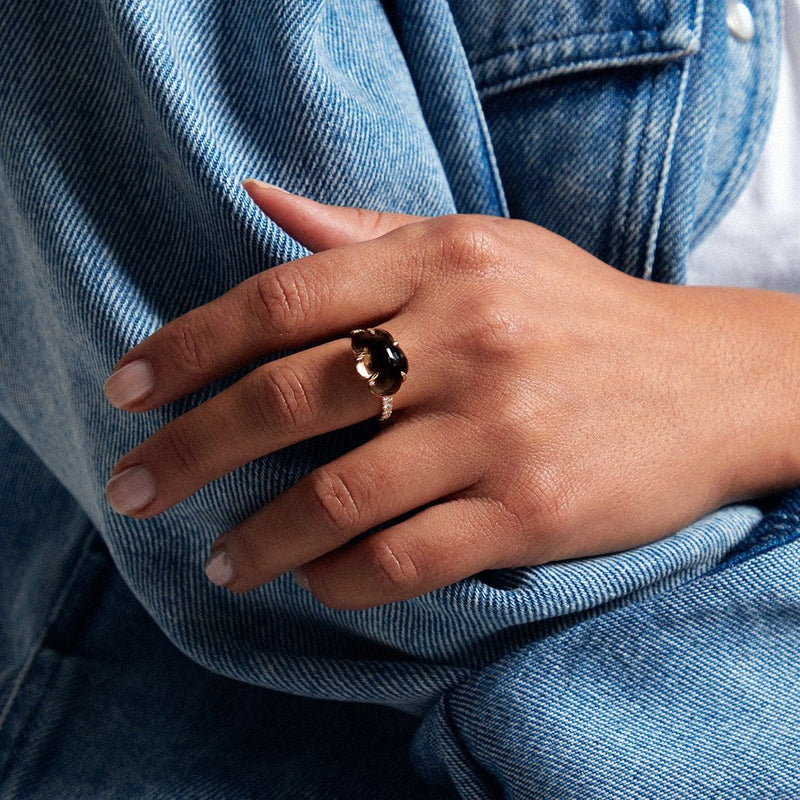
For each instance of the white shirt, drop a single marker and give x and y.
(758, 242)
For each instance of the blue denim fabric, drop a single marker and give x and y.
(125, 128)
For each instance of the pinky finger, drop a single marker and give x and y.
(436, 547)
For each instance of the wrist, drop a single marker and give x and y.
(747, 371)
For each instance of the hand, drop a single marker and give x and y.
(554, 407)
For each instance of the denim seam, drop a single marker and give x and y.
(663, 178)
(488, 780)
(566, 66)
(491, 88)
(631, 143)
(483, 127)
(762, 549)
(787, 530)
(642, 34)
(59, 603)
(24, 733)
(626, 262)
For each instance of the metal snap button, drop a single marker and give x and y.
(740, 21)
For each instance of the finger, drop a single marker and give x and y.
(439, 546)
(292, 305)
(318, 226)
(275, 405)
(406, 466)
(280, 403)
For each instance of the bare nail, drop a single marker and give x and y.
(130, 383)
(219, 567)
(301, 579)
(262, 185)
(131, 490)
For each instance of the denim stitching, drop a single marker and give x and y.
(663, 179)
(755, 132)
(625, 260)
(491, 88)
(529, 43)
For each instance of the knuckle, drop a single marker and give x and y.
(280, 397)
(185, 450)
(394, 566)
(370, 223)
(548, 504)
(337, 504)
(509, 531)
(493, 326)
(468, 243)
(283, 301)
(193, 348)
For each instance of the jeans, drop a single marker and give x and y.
(669, 670)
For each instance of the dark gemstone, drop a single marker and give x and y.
(379, 360)
(386, 383)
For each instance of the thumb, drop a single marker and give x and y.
(318, 226)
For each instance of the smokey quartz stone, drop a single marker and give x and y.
(379, 360)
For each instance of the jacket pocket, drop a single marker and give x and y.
(516, 42)
(585, 103)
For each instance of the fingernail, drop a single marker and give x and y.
(219, 567)
(261, 185)
(301, 579)
(131, 490)
(130, 383)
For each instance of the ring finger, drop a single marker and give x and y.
(277, 404)
(406, 467)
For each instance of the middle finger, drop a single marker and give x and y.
(277, 404)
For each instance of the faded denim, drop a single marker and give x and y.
(125, 127)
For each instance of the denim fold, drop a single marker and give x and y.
(126, 128)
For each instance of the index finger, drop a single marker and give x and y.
(289, 306)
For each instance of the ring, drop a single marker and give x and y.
(381, 362)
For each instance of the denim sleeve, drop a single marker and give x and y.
(692, 694)
(126, 126)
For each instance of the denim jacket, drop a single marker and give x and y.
(126, 127)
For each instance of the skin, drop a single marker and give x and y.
(554, 408)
